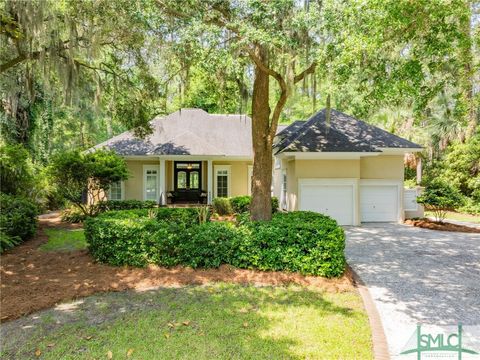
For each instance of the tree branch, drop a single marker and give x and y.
(264, 67)
(20, 58)
(309, 70)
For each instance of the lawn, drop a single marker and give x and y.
(221, 321)
(64, 240)
(458, 216)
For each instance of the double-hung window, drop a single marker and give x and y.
(151, 182)
(222, 181)
(116, 191)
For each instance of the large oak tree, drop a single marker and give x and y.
(279, 38)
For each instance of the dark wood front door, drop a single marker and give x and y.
(188, 180)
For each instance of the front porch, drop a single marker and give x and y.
(184, 180)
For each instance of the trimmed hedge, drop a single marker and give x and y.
(241, 204)
(126, 204)
(305, 242)
(75, 215)
(299, 241)
(18, 220)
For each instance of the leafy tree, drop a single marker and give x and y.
(16, 173)
(462, 166)
(77, 174)
(277, 49)
(440, 197)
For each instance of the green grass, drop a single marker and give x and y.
(64, 240)
(221, 321)
(458, 216)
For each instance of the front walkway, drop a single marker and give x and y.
(417, 276)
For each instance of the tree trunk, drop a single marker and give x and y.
(261, 206)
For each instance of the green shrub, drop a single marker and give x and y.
(18, 220)
(299, 241)
(440, 197)
(125, 241)
(76, 215)
(72, 215)
(241, 204)
(471, 206)
(210, 244)
(304, 242)
(222, 206)
(126, 204)
(186, 216)
(16, 172)
(275, 204)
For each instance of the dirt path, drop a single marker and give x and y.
(32, 279)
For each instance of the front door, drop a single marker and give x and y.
(188, 180)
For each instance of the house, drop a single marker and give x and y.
(345, 168)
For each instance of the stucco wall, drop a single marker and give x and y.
(238, 173)
(328, 169)
(134, 185)
(382, 167)
(378, 167)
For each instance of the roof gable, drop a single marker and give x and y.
(344, 133)
(189, 132)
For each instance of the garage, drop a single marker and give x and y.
(332, 199)
(378, 203)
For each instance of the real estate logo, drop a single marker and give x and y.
(449, 344)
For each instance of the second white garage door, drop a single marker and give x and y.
(378, 203)
(332, 200)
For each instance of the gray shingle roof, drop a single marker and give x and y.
(189, 132)
(343, 134)
(195, 132)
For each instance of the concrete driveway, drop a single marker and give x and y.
(418, 276)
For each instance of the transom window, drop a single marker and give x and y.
(115, 192)
(187, 176)
(189, 166)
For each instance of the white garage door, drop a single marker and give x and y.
(378, 203)
(332, 200)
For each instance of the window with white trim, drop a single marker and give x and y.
(151, 183)
(222, 181)
(116, 191)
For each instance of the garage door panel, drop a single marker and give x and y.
(335, 201)
(378, 203)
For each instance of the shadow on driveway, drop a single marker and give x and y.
(417, 276)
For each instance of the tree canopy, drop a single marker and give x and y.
(74, 73)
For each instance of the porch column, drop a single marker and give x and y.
(209, 182)
(163, 182)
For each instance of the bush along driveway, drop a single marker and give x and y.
(418, 276)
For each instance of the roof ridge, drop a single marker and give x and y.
(301, 131)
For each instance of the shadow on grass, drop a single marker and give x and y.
(221, 321)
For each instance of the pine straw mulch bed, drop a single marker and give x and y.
(442, 226)
(32, 279)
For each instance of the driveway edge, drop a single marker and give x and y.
(380, 345)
